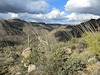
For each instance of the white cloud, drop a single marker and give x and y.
(75, 18)
(39, 6)
(13, 15)
(82, 10)
(78, 3)
(55, 14)
(32, 17)
(83, 6)
(52, 16)
(79, 12)
(82, 17)
(8, 15)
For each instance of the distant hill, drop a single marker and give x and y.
(13, 32)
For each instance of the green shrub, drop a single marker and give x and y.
(93, 41)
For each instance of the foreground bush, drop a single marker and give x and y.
(79, 56)
(93, 42)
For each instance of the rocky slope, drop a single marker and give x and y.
(45, 53)
(14, 31)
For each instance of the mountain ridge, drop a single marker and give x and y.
(14, 29)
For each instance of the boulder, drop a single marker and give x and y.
(31, 68)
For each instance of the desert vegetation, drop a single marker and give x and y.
(41, 53)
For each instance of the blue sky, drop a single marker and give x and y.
(50, 11)
(58, 4)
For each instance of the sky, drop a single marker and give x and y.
(50, 11)
(57, 4)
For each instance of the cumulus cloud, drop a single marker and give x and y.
(52, 16)
(55, 14)
(8, 15)
(82, 10)
(34, 10)
(83, 6)
(13, 15)
(76, 18)
(32, 17)
(22, 6)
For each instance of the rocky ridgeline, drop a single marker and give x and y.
(14, 31)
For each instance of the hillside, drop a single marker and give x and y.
(14, 32)
(29, 48)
